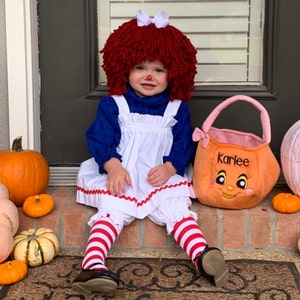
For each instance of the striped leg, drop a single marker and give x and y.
(209, 261)
(102, 236)
(189, 236)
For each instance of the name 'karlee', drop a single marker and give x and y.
(234, 160)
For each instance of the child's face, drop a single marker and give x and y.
(148, 78)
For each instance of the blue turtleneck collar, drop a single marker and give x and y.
(161, 99)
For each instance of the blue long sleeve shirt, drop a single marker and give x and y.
(104, 134)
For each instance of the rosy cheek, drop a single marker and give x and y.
(249, 191)
(212, 183)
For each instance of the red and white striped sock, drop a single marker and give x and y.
(102, 236)
(189, 236)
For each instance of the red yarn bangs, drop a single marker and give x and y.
(130, 45)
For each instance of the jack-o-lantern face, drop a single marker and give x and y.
(231, 185)
(231, 190)
(231, 181)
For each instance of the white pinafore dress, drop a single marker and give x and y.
(145, 139)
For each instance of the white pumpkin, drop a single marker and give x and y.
(6, 240)
(9, 215)
(35, 246)
(290, 157)
(4, 194)
(9, 224)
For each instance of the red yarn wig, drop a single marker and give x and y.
(131, 44)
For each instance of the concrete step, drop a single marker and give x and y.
(247, 230)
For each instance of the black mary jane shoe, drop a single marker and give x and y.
(211, 263)
(101, 281)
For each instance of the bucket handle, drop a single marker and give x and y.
(264, 116)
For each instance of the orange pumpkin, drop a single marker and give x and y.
(12, 272)
(286, 203)
(23, 172)
(38, 205)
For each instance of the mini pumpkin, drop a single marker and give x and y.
(23, 172)
(38, 205)
(286, 203)
(35, 246)
(12, 271)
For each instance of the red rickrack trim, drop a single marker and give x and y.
(133, 199)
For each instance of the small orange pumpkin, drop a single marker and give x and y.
(23, 172)
(12, 271)
(287, 203)
(38, 205)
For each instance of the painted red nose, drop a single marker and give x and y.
(149, 77)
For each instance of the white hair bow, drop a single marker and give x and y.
(160, 20)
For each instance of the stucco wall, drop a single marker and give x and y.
(4, 129)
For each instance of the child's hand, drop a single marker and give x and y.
(159, 175)
(117, 176)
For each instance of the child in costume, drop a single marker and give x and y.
(141, 146)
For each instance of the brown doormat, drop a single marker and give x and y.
(151, 278)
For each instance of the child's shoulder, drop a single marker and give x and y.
(107, 102)
(183, 105)
(183, 108)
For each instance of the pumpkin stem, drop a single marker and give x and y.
(31, 237)
(37, 199)
(17, 144)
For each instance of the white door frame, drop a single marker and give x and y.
(23, 72)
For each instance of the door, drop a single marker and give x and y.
(70, 94)
(67, 65)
